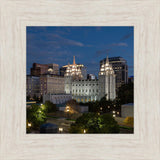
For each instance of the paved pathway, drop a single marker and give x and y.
(61, 122)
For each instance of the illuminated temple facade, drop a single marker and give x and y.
(85, 90)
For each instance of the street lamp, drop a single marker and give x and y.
(29, 124)
(67, 109)
(60, 130)
(114, 113)
(84, 131)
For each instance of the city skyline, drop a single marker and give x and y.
(88, 44)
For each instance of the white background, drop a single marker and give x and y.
(15, 15)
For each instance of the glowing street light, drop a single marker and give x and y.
(114, 115)
(67, 108)
(84, 131)
(29, 124)
(60, 130)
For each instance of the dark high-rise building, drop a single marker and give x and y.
(41, 69)
(38, 69)
(131, 79)
(53, 69)
(120, 68)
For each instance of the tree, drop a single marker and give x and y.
(28, 97)
(34, 97)
(126, 93)
(36, 115)
(94, 123)
(109, 125)
(41, 99)
(106, 105)
(50, 107)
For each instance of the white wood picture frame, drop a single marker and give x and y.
(15, 15)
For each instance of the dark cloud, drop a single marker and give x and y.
(102, 52)
(120, 44)
(98, 28)
(64, 41)
(89, 45)
(110, 47)
(126, 36)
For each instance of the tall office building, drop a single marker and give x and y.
(120, 68)
(44, 84)
(53, 69)
(51, 84)
(33, 86)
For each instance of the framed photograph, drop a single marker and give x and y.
(69, 67)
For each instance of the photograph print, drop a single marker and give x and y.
(80, 80)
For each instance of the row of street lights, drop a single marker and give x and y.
(114, 112)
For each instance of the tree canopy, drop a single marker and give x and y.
(36, 115)
(94, 123)
(126, 93)
(50, 107)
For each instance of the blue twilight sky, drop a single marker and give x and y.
(88, 44)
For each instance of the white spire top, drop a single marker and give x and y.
(106, 68)
(73, 70)
(107, 61)
(74, 62)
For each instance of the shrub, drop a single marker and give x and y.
(50, 106)
(129, 121)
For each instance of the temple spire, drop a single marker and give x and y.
(74, 60)
(107, 61)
